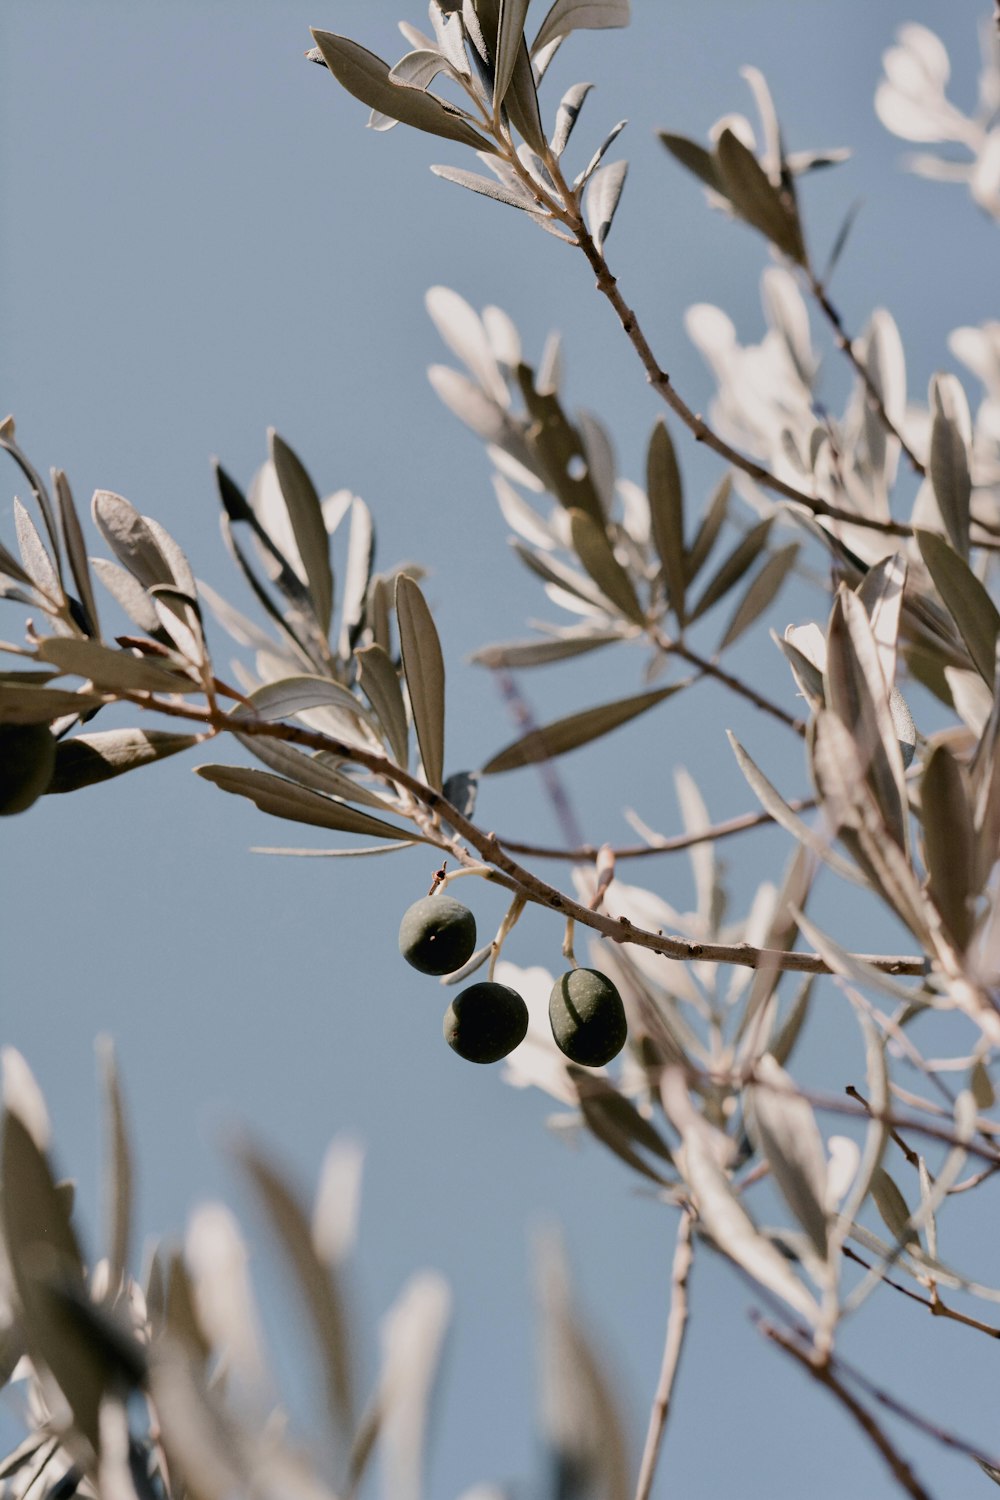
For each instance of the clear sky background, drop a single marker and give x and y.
(199, 239)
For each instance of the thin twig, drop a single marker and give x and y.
(507, 871)
(846, 345)
(587, 853)
(551, 780)
(824, 1374)
(735, 684)
(677, 1323)
(934, 1304)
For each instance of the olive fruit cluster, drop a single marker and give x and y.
(484, 1022)
(27, 761)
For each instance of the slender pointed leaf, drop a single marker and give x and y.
(379, 682)
(112, 670)
(695, 158)
(283, 799)
(592, 547)
(565, 16)
(539, 652)
(309, 770)
(76, 550)
(366, 76)
(729, 573)
(604, 192)
(306, 516)
(756, 199)
(577, 729)
(760, 592)
(966, 600)
(87, 759)
(423, 666)
(793, 1146)
(487, 187)
(37, 562)
(567, 115)
(666, 514)
(948, 468)
(30, 704)
(949, 843)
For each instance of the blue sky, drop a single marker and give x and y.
(200, 239)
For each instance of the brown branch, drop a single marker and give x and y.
(735, 684)
(824, 1374)
(935, 1306)
(673, 1348)
(506, 870)
(846, 345)
(587, 853)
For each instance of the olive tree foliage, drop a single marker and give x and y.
(158, 1385)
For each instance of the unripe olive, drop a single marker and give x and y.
(588, 1017)
(485, 1022)
(27, 761)
(437, 935)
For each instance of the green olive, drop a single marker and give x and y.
(437, 935)
(485, 1022)
(588, 1017)
(27, 761)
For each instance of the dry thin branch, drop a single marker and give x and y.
(587, 853)
(677, 1324)
(507, 871)
(934, 1304)
(824, 1374)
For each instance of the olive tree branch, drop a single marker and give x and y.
(937, 1308)
(508, 871)
(677, 1324)
(587, 853)
(824, 1373)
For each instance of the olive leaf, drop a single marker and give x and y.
(284, 799)
(577, 729)
(379, 681)
(308, 527)
(949, 843)
(366, 76)
(423, 667)
(541, 651)
(756, 199)
(966, 600)
(87, 759)
(604, 190)
(666, 514)
(732, 569)
(76, 551)
(111, 670)
(30, 704)
(592, 547)
(760, 592)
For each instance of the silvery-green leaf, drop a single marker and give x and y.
(729, 573)
(357, 576)
(592, 547)
(584, 177)
(87, 759)
(565, 16)
(43, 1253)
(618, 1125)
(708, 529)
(296, 695)
(130, 538)
(418, 69)
(11, 568)
(902, 723)
(723, 1217)
(366, 76)
(283, 799)
(308, 526)
(760, 593)
(41, 705)
(322, 1296)
(881, 593)
(412, 1334)
(130, 594)
(340, 853)
(697, 160)
(462, 329)
(600, 457)
(558, 450)
(791, 1142)
(855, 690)
(567, 115)
(76, 550)
(949, 844)
(580, 1419)
(772, 802)
(577, 729)
(755, 198)
(309, 770)
(180, 569)
(423, 667)
(521, 102)
(110, 669)
(966, 600)
(807, 675)
(948, 469)
(557, 573)
(379, 682)
(180, 615)
(521, 518)
(476, 183)
(118, 1183)
(604, 190)
(666, 514)
(547, 649)
(893, 1208)
(38, 565)
(510, 34)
